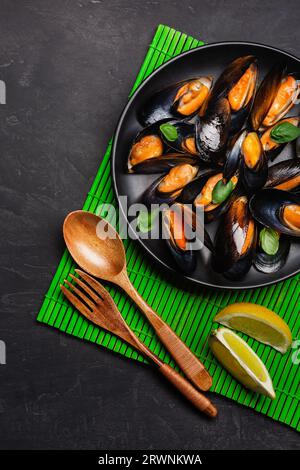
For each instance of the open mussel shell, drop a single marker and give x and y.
(235, 241)
(273, 149)
(272, 263)
(241, 98)
(284, 175)
(168, 187)
(186, 138)
(199, 193)
(254, 168)
(180, 100)
(191, 190)
(231, 75)
(276, 209)
(275, 97)
(185, 235)
(233, 155)
(174, 232)
(195, 222)
(162, 164)
(238, 84)
(212, 131)
(149, 153)
(147, 144)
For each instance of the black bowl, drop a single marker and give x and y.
(210, 59)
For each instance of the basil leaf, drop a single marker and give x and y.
(169, 131)
(145, 221)
(284, 132)
(221, 191)
(269, 241)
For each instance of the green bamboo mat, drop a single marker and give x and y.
(189, 310)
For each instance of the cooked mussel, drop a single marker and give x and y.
(147, 145)
(162, 164)
(212, 131)
(277, 209)
(271, 263)
(275, 97)
(241, 98)
(271, 147)
(185, 141)
(235, 241)
(182, 100)
(233, 155)
(254, 167)
(237, 83)
(184, 234)
(167, 188)
(230, 77)
(203, 196)
(149, 153)
(284, 175)
(192, 189)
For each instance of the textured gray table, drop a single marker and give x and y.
(68, 66)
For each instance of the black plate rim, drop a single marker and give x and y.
(168, 268)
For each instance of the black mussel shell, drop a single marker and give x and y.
(239, 117)
(267, 208)
(284, 175)
(163, 164)
(271, 148)
(186, 258)
(154, 196)
(214, 214)
(233, 155)
(225, 84)
(158, 145)
(272, 263)
(230, 76)
(164, 105)
(185, 141)
(164, 160)
(212, 131)
(195, 232)
(254, 177)
(195, 221)
(265, 95)
(232, 258)
(192, 191)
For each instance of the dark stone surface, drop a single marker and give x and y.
(69, 66)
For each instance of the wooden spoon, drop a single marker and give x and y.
(103, 256)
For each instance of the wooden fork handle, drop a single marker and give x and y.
(196, 398)
(183, 356)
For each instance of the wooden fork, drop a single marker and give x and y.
(91, 299)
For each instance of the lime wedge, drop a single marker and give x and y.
(258, 322)
(241, 361)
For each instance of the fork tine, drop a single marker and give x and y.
(94, 284)
(86, 288)
(76, 302)
(80, 294)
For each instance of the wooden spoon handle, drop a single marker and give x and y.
(187, 361)
(196, 398)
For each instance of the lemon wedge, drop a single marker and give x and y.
(258, 322)
(241, 361)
